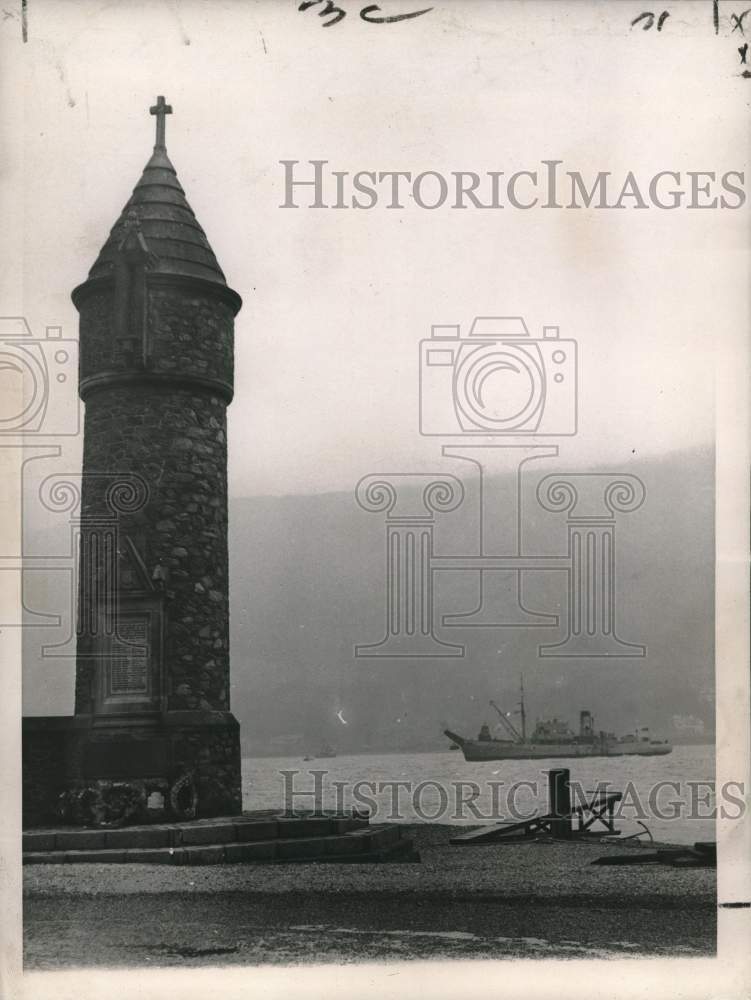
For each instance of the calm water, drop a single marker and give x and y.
(440, 799)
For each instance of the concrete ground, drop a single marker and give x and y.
(491, 901)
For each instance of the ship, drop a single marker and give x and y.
(326, 750)
(554, 738)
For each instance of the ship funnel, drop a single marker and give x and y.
(586, 723)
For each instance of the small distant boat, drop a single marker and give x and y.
(554, 738)
(308, 757)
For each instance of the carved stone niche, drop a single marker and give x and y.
(129, 661)
(128, 648)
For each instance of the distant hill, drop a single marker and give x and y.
(307, 584)
(307, 581)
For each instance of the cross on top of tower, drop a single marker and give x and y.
(160, 109)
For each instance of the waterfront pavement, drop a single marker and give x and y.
(540, 899)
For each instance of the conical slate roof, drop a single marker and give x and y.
(167, 223)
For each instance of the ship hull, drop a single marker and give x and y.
(477, 750)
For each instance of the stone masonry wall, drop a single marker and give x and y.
(187, 334)
(176, 440)
(174, 436)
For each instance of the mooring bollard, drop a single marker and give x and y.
(559, 802)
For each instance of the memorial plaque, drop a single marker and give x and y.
(129, 667)
(128, 678)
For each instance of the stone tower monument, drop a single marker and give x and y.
(156, 377)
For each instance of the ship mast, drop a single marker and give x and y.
(507, 724)
(521, 709)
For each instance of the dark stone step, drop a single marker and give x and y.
(377, 843)
(236, 829)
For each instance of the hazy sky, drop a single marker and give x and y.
(336, 302)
